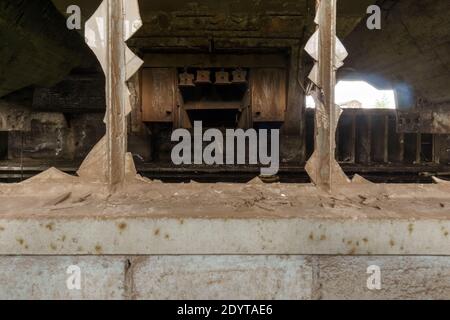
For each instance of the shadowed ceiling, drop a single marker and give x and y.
(410, 53)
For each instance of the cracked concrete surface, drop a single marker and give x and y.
(225, 277)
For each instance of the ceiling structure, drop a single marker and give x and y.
(37, 49)
(40, 50)
(411, 53)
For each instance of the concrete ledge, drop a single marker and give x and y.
(176, 236)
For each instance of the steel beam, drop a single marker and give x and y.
(116, 125)
(323, 167)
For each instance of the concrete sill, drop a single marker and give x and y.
(161, 236)
(226, 219)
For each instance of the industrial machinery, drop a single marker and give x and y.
(232, 64)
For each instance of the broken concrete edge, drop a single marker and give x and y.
(191, 236)
(63, 186)
(94, 169)
(90, 171)
(440, 181)
(87, 176)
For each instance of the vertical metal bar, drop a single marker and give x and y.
(21, 155)
(369, 135)
(325, 138)
(115, 113)
(436, 148)
(353, 139)
(329, 88)
(337, 141)
(418, 148)
(386, 139)
(402, 148)
(295, 107)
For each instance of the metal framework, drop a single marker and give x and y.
(323, 46)
(114, 55)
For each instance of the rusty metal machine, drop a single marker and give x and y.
(252, 88)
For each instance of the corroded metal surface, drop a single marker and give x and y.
(109, 161)
(322, 166)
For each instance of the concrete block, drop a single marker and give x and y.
(222, 277)
(402, 277)
(42, 278)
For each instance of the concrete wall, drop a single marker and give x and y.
(225, 277)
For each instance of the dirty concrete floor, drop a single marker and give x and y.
(54, 194)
